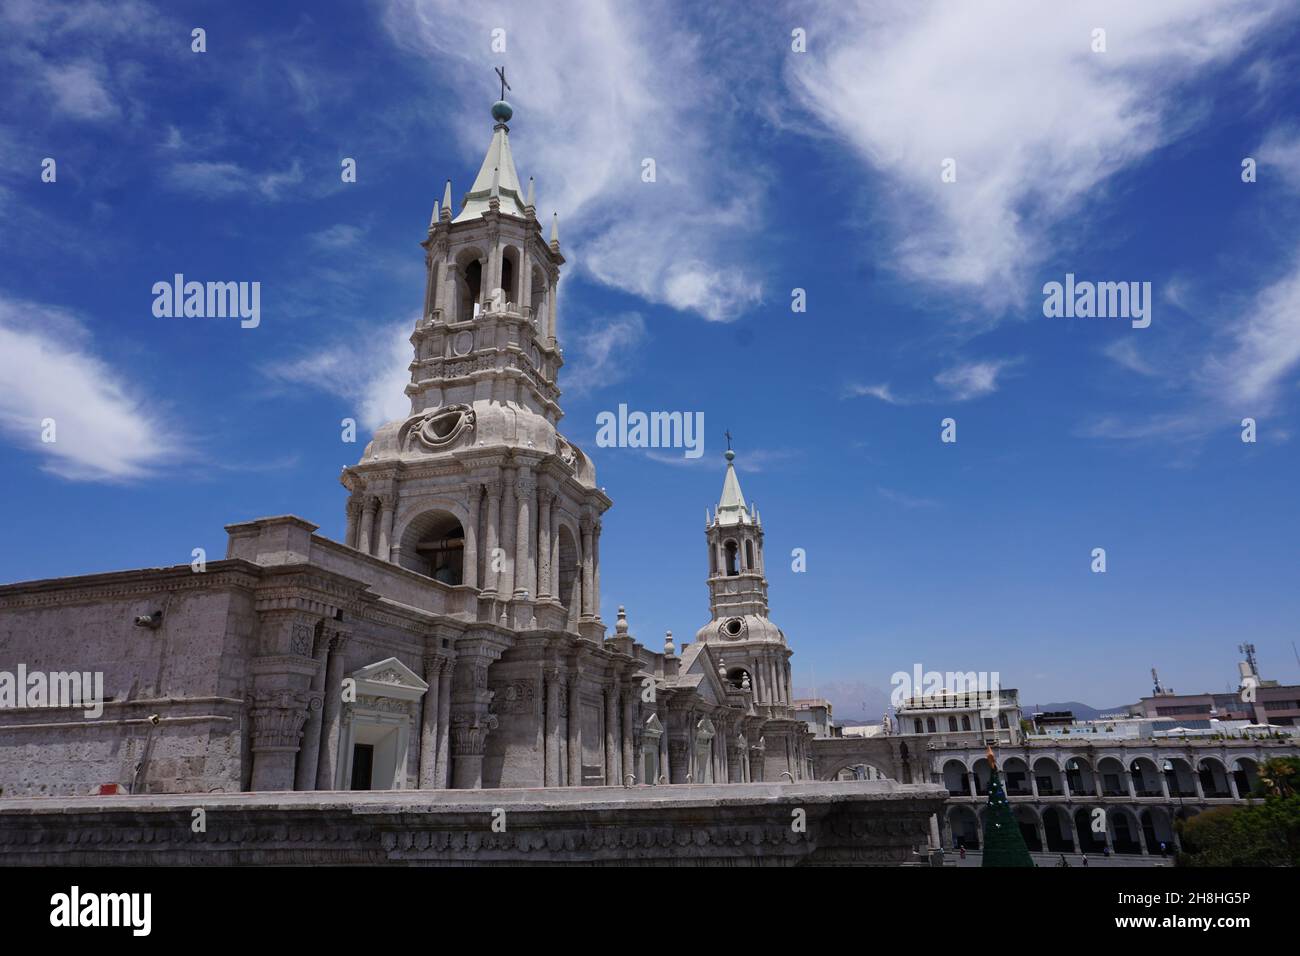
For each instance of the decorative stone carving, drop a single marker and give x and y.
(565, 452)
(514, 697)
(303, 638)
(733, 629)
(463, 343)
(437, 428)
(278, 718)
(469, 733)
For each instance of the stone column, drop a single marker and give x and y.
(429, 725)
(735, 761)
(278, 716)
(442, 771)
(628, 696)
(526, 281)
(552, 295)
(354, 521)
(327, 767)
(1164, 781)
(367, 524)
(430, 287)
(1196, 779)
(469, 734)
(575, 728)
(544, 517)
(663, 759)
(555, 548)
(595, 568)
(506, 582)
(525, 491)
(587, 581)
(470, 573)
(386, 503)
(553, 690)
(309, 753)
(1033, 784)
(492, 532)
(611, 738)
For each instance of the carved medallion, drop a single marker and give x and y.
(437, 428)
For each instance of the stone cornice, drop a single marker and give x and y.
(49, 592)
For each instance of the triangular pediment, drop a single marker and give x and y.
(389, 678)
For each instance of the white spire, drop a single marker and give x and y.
(496, 177)
(446, 201)
(555, 230)
(731, 506)
(532, 203)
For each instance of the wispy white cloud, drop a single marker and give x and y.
(1279, 153)
(973, 379)
(105, 428)
(1261, 350)
(599, 87)
(338, 236)
(882, 391)
(371, 371)
(604, 353)
(1034, 119)
(219, 180)
(906, 500)
(79, 91)
(1124, 353)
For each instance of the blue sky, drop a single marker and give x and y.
(776, 170)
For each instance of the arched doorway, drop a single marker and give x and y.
(1057, 830)
(965, 827)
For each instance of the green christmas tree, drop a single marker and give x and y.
(1003, 843)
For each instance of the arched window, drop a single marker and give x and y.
(1002, 722)
(508, 273)
(952, 723)
(965, 722)
(929, 724)
(749, 556)
(919, 728)
(472, 294)
(729, 550)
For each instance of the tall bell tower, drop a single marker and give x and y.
(753, 649)
(476, 488)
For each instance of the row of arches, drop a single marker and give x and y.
(467, 286)
(1057, 830)
(434, 543)
(1141, 777)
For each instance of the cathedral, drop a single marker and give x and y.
(455, 638)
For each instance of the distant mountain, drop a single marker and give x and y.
(1080, 710)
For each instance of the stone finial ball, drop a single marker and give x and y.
(730, 455)
(502, 111)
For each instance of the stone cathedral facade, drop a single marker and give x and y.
(455, 638)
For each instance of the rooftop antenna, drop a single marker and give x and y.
(1249, 651)
(1155, 679)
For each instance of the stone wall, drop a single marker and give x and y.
(875, 823)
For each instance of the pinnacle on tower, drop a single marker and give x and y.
(497, 178)
(731, 506)
(555, 231)
(531, 205)
(446, 203)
